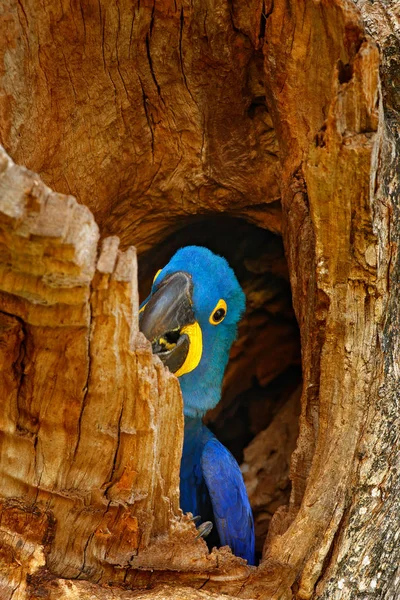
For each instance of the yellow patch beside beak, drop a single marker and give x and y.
(193, 357)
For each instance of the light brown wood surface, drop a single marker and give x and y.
(157, 117)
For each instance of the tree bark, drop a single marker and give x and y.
(282, 113)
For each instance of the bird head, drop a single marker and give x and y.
(190, 318)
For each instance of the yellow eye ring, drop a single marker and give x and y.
(156, 275)
(219, 312)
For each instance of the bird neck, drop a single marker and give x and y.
(201, 388)
(198, 396)
(193, 425)
(195, 432)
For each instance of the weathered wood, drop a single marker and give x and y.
(152, 114)
(86, 411)
(153, 100)
(63, 589)
(339, 268)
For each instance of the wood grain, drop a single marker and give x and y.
(285, 114)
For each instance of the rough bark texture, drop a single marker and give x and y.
(149, 100)
(86, 411)
(285, 114)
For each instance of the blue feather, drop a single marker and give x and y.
(211, 482)
(213, 279)
(212, 486)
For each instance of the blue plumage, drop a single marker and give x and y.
(212, 486)
(208, 296)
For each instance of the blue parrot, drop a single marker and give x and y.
(191, 318)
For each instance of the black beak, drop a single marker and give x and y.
(168, 310)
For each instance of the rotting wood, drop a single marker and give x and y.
(64, 589)
(87, 410)
(339, 263)
(165, 106)
(148, 102)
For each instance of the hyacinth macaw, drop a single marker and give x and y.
(191, 318)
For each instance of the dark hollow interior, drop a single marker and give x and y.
(257, 417)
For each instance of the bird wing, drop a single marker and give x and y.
(231, 507)
(192, 485)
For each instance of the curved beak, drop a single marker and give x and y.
(164, 316)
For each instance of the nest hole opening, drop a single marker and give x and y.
(257, 416)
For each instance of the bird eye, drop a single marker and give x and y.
(156, 275)
(219, 312)
(218, 315)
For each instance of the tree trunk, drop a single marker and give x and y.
(213, 123)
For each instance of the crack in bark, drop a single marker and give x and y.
(83, 20)
(89, 539)
(69, 75)
(153, 75)
(24, 30)
(181, 25)
(152, 18)
(131, 35)
(114, 464)
(145, 99)
(263, 23)
(21, 358)
(102, 26)
(204, 583)
(19, 367)
(118, 62)
(82, 569)
(330, 552)
(86, 388)
(43, 71)
(15, 589)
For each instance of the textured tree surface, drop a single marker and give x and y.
(229, 124)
